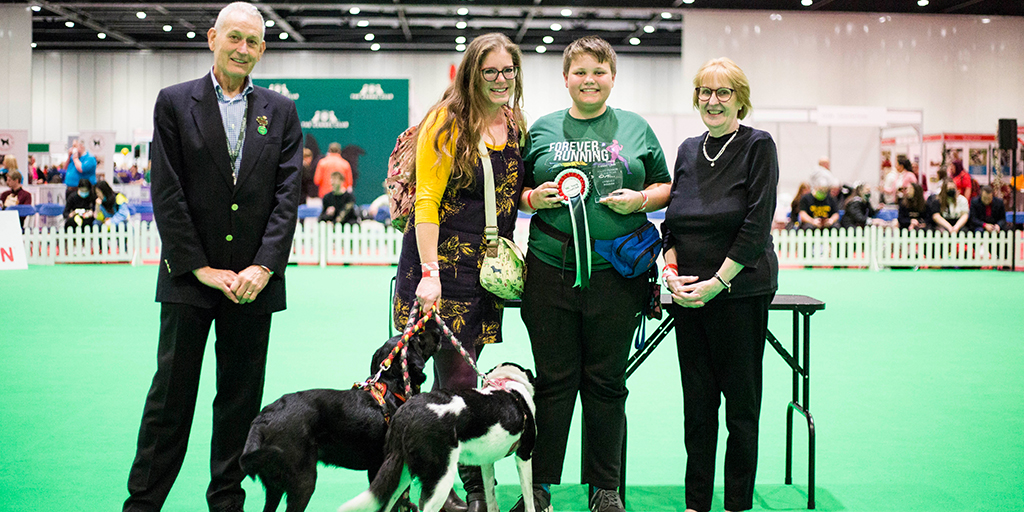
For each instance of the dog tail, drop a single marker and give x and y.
(391, 480)
(257, 459)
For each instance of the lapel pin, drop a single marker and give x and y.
(263, 122)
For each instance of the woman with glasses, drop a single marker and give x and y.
(592, 172)
(442, 249)
(722, 271)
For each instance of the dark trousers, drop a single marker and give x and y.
(580, 340)
(721, 347)
(452, 372)
(241, 350)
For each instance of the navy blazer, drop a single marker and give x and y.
(206, 220)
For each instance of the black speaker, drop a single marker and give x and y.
(1008, 134)
(138, 150)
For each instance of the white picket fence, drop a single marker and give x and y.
(372, 243)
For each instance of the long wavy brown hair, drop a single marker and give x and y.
(465, 107)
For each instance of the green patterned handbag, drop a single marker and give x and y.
(504, 268)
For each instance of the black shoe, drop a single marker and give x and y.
(477, 506)
(606, 500)
(541, 501)
(454, 503)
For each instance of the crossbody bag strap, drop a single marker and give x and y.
(490, 205)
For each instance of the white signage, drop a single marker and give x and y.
(15, 142)
(12, 246)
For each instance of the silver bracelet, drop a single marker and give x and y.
(728, 286)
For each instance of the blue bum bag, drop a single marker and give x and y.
(632, 254)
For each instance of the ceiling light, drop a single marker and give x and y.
(101, 35)
(33, 45)
(566, 12)
(460, 40)
(649, 29)
(36, 8)
(462, 11)
(141, 15)
(363, 23)
(548, 39)
(353, 11)
(666, 15)
(374, 47)
(775, 17)
(283, 35)
(634, 41)
(69, 24)
(368, 37)
(460, 25)
(985, 20)
(269, 23)
(687, 1)
(922, 3)
(556, 27)
(806, 3)
(460, 47)
(190, 35)
(168, 28)
(881, 19)
(541, 49)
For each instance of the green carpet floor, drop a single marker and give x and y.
(917, 390)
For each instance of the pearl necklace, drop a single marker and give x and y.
(719, 155)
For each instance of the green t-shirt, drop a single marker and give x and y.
(616, 143)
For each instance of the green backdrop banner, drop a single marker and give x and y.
(365, 116)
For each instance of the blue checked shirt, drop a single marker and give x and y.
(232, 112)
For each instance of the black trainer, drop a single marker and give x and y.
(606, 500)
(541, 501)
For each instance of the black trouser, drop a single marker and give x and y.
(580, 340)
(241, 350)
(451, 372)
(721, 347)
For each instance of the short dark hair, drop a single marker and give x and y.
(987, 189)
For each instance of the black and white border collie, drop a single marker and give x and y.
(434, 432)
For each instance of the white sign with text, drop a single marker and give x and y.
(12, 245)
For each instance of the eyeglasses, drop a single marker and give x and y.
(723, 93)
(491, 74)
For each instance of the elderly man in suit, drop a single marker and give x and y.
(226, 160)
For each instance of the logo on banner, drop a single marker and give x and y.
(5, 141)
(282, 89)
(325, 119)
(371, 92)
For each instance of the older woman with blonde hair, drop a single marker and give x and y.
(723, 273)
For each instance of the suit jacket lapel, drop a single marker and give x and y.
(206, 114)
(254, 142)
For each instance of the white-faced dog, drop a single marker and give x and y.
(434, 432)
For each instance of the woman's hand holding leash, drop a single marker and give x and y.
(428, 292)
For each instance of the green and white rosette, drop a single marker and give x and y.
(573, 187)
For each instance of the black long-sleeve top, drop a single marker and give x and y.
(979, 215)
(726, 210)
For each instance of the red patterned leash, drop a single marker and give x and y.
(411, 327)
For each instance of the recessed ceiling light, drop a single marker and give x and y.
(548, 39)
(101, 35)
(806, 3)
(460, 47)
(460, 40)
(460, 25)
(666, 15)
(141, 15)
(881, 19)
(69, 24)
(922, 3)
(775, 17)
(462, 11)
(368, 37)
(566, 12)
(687, 1)
(283, 35)
(986, 20)
(36, 8)
(634, 41)
(168, 28)
(541, 49)
(190, 35)
(374, 47)
(556, 27)
(353, 11)
(649, 29)
(363, 23)
(33, 45)
(269, 23)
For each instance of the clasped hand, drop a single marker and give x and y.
(691, 294)
(623, 201)
(240, 288)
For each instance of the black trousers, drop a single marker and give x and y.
(241, 350)
(580, 340)
(721, 347)
(452, 372)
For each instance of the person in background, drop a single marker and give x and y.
(79, 207)
(331, 163)
(80, 164)
(913, 208)
(819, 209)
(309, 188)
(36, 174)
(722, 271)
(962, 179)
(9, 163)
(111, 207)
(948, 210)
(794, 206)
(988, 213)
(16, 195)
(339, 204)
(857, 210)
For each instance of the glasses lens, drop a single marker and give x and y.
(490, 74)
(723, 94)
(704, 93)
(508, 73)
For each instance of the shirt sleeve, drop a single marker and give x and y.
(762, 182)
(432, 170)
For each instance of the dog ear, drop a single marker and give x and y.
(428, 341)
